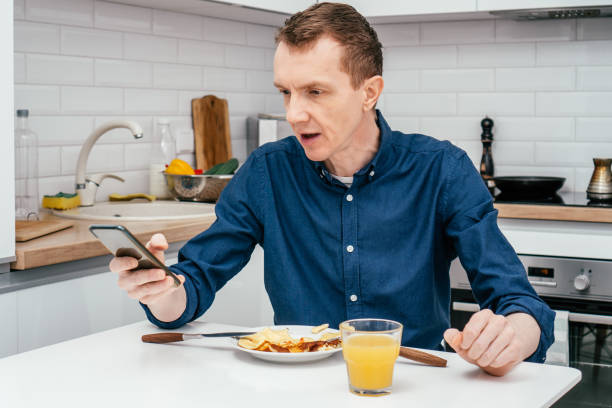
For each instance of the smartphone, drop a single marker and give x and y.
(120, 242)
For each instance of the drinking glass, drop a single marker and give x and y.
(370, 348)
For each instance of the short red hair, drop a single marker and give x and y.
(362, 58)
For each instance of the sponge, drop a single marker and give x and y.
(61, 201)
(119, 197)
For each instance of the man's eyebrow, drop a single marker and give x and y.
(308, 85)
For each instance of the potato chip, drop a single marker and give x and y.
(252, 342)
(329, 335)
(319, 329)
(279, 341)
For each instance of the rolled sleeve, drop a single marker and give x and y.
(497, 276)
(541, 313)
(190, 308)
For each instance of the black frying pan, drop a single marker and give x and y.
(528, 186)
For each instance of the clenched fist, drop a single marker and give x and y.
(495, 343)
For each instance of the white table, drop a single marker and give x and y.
(114, 369)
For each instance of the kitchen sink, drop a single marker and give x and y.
(139, 211)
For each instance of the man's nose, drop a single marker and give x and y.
(296, 111)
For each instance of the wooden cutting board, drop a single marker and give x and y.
(211, 131)
(27, 230)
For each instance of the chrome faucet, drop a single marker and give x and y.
(86, 187)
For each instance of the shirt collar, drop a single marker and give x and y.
(375, 164)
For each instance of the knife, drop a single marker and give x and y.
(422, 357)
(172, 337)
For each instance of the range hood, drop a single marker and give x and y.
(555, 13)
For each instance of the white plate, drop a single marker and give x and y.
(296, 332)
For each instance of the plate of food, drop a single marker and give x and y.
(291, 344)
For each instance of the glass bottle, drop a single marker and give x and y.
(162, 153)
(168, 143)
(26, 169)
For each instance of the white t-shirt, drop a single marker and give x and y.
(347, 181)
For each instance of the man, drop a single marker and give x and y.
(355, 220)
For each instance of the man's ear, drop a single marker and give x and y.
(372, 88)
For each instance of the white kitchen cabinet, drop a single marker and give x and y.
(73, 308)
(279, 6)
(8, 324)
(7, 155)
(491, 5)
(406, 8)
(48, 314)
(258, 13)
(274, 12)
(243, 301)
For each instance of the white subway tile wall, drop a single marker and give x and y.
(546, 84)
(79, 63)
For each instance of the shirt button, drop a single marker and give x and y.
(350, 248)
(372, 173)
(353, 298)
(349, 197)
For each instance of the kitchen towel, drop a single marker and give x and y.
(558, 353)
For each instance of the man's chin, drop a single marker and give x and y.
(315, 156)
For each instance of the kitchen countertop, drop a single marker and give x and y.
(114, 368)
(553, 212)
(53, 273)
(78, 243)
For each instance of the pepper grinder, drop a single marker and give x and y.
(486, 162)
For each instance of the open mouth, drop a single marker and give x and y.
(309, 137)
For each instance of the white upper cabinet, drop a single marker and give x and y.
(381, 8)
(268, 12)
(279, 6)
(274, 12)
(489, 5)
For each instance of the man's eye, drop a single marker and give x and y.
(284, 92)
(315, 92)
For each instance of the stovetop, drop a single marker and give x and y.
(570, 199)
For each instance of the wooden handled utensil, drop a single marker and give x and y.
(166, 337)
(422, 357)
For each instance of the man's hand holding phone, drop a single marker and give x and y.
(152, 287)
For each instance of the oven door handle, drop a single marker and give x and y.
(573, 317)
(465, 307)
(544, 284)
(590, 318)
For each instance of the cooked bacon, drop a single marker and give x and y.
(277, 349)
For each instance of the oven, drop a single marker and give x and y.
(580, 290)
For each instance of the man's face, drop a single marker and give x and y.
(322, 107)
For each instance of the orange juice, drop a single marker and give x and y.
(370, 359)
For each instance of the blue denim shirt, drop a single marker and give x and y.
(381, 248)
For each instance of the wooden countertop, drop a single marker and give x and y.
(554, 212)
(78, 243)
